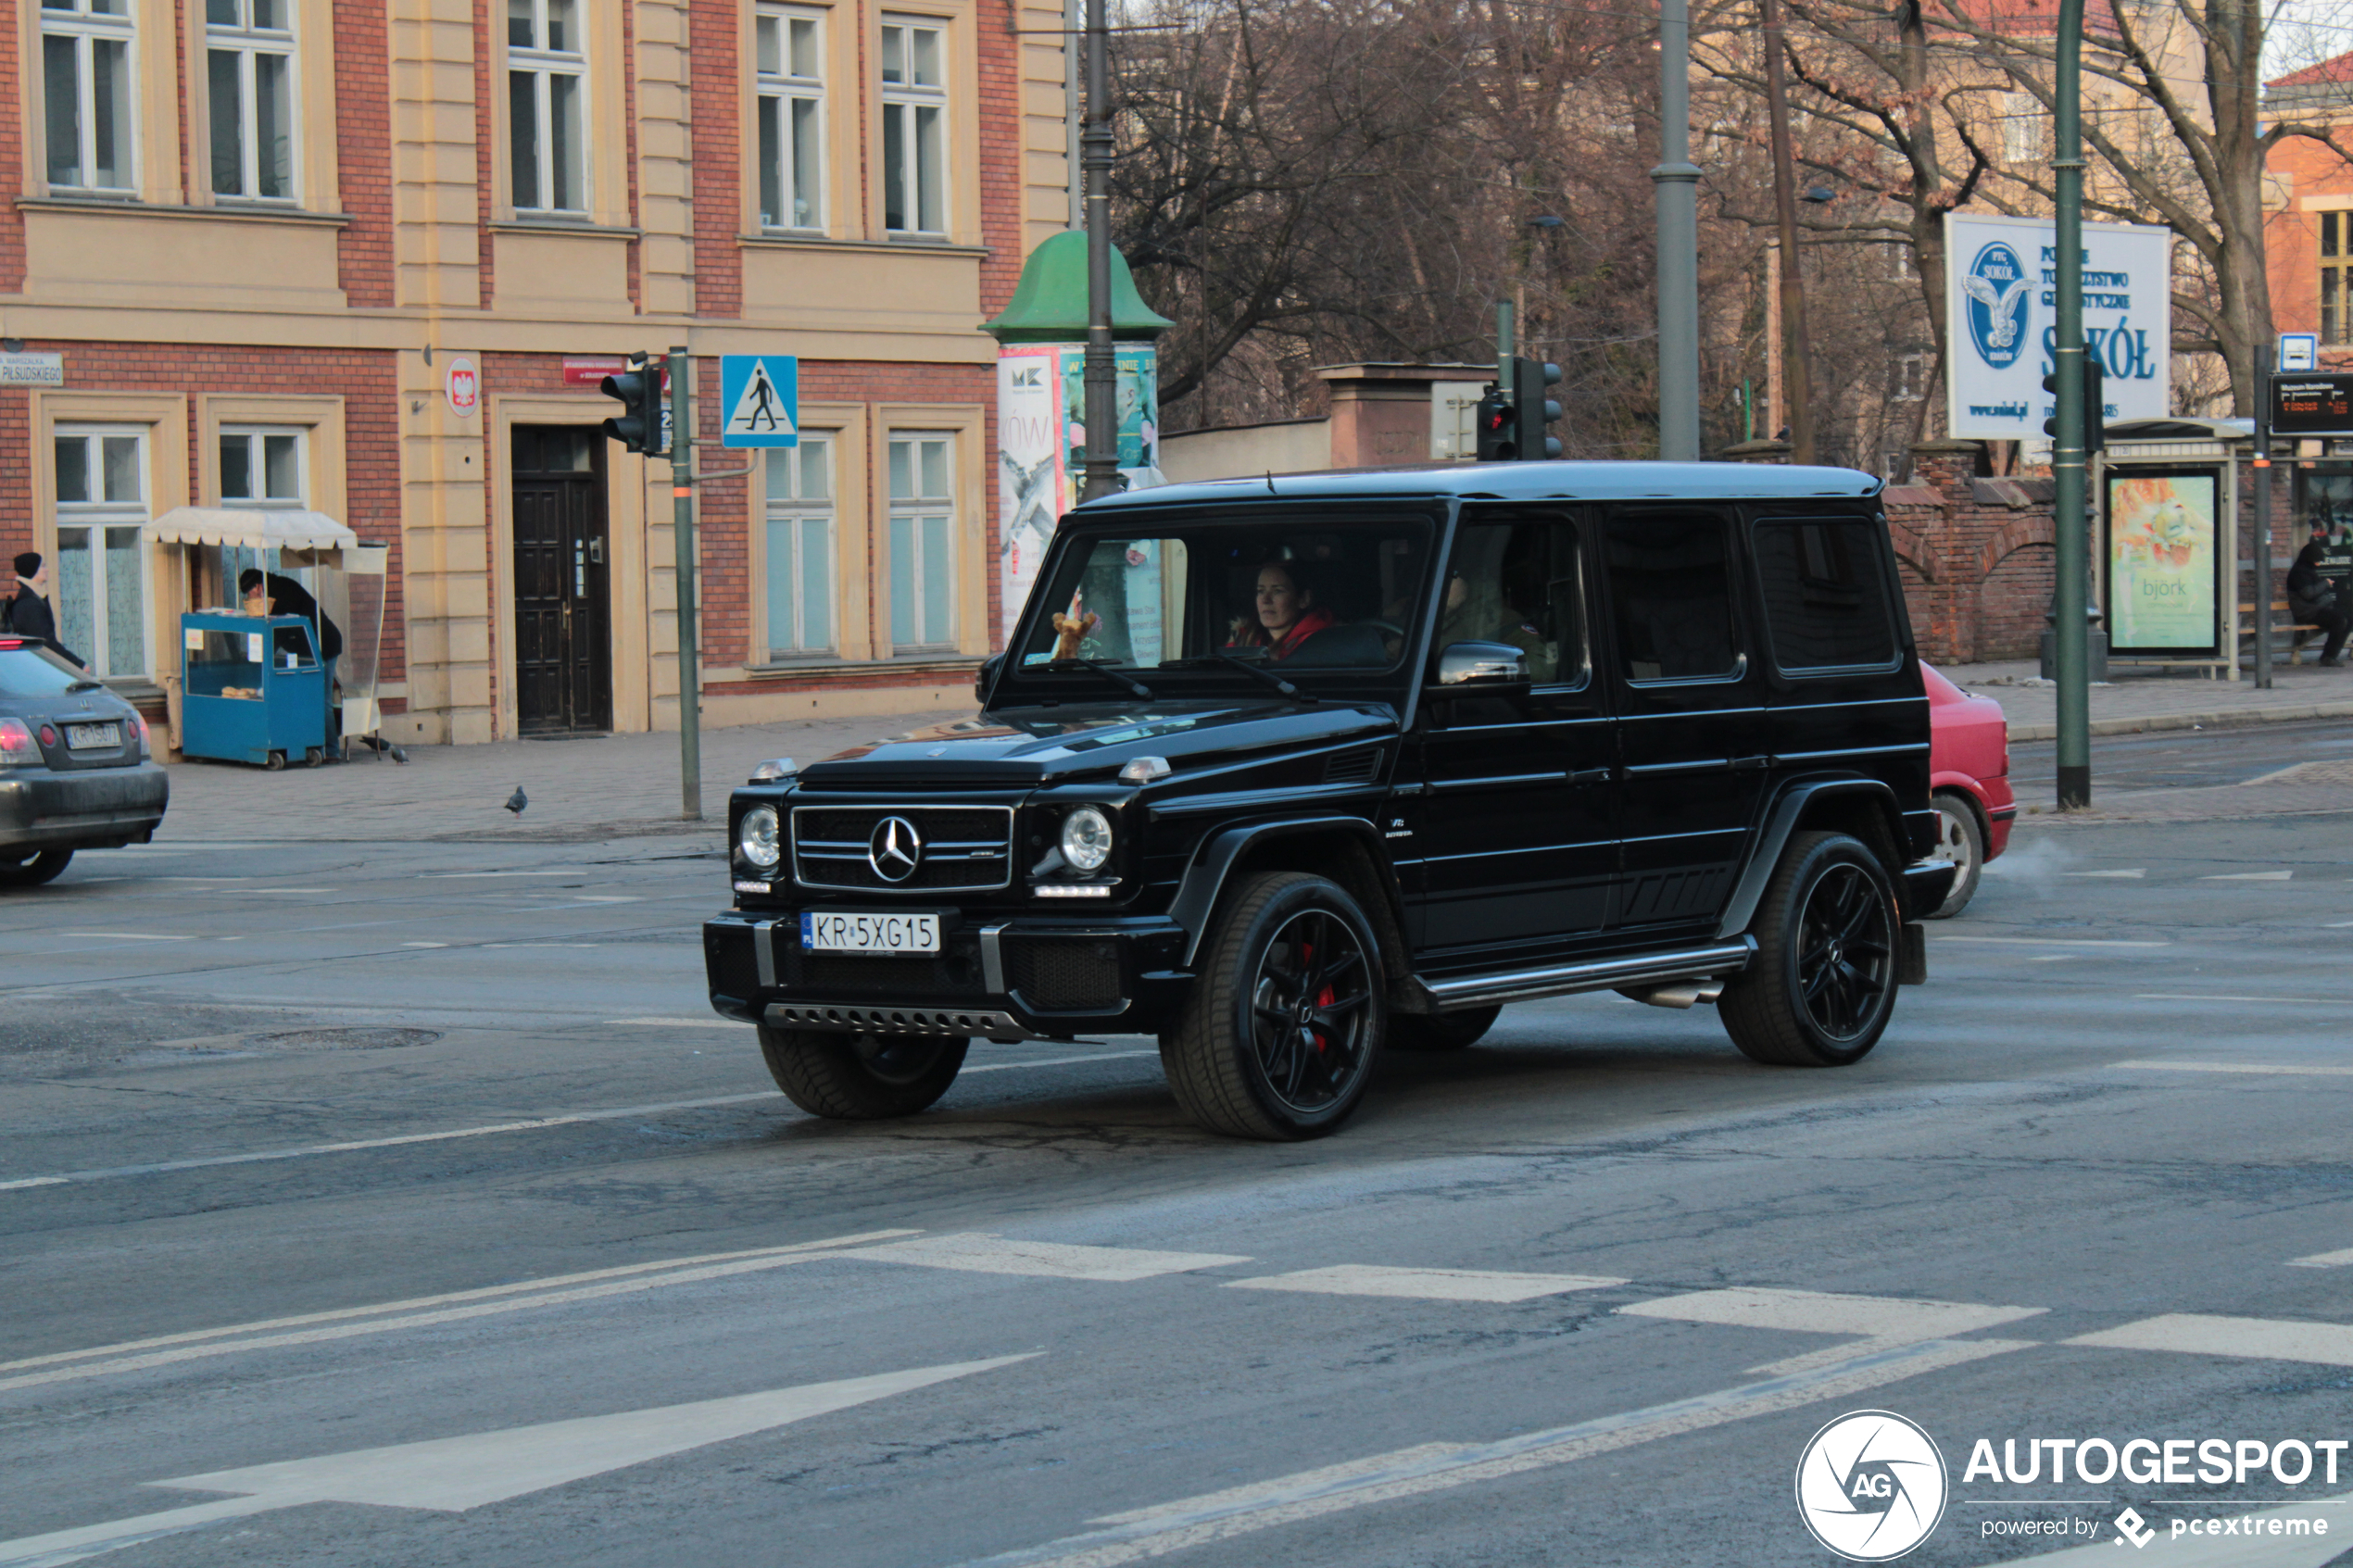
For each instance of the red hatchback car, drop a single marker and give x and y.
(1969, 761)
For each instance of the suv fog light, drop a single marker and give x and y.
(756, 836)
(1087, 838)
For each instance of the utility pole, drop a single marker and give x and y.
(2262, 523)
(1676, 184)
(2070, 641)
(1797, 374)
(682, 514)
(1101, 378)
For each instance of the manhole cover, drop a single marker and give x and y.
(341, 1039)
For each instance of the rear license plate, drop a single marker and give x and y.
(82, 737)
(887, 935)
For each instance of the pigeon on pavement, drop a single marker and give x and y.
(518, 800)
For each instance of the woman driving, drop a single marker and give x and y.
(1288, 614)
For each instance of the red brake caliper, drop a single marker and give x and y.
(1323, 999)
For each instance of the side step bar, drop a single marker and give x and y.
(1602, 974)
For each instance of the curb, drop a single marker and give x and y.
(2225, 718)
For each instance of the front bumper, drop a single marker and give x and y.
(998, 977)
(85, 808)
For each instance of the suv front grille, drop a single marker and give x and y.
(1065, 975)
(966, 848)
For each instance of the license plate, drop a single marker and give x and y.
(876, 934)
(82, 737)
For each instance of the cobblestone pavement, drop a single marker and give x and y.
(586, 790)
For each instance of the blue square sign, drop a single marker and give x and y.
(760, 400)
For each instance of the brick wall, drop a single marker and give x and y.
(363, 151)
(1001, 158)
(1975, 554)
(12, 170)
(718, 152)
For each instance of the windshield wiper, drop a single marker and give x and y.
(1256, 672)
(1101, 667)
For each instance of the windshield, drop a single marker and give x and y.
(1333, 595)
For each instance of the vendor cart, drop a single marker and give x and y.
(253, 689)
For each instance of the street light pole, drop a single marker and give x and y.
(2069, 638)
(1101, 377)
(1796, 377)
(1676, 181)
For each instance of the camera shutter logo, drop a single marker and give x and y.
(895, 850)
(1871, 1485)
(1998, 286)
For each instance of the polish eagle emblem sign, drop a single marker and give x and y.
(1997, 285)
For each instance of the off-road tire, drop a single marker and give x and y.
(1277, 1040)
(1960, 838)
(1823, 986)
(31, 868)
(861, 1077)
(1435, 1032)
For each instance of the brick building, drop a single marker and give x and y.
(260, 233)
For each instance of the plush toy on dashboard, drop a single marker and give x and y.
(1072, 628)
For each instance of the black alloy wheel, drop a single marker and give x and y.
(861, 1077)
(1278, 1039)
(31, 868)
(1823, 986)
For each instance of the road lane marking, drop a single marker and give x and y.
(2323, 1259)
(675, 1023)
(2249, 877)
(126, 935)
(1434, 1467)
(2050, 942)
(1884, 1322)
(476, 876)
(2277, 1068)
(454, 1474)
(2136, 873)
(2198, 1333)
(137, 1355)
(1426, 1285)
(2205, 996)
(977, 1253)
(1055, 1061)
(261, 892)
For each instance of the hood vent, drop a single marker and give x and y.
(1352, 767)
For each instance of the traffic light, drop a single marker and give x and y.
(2095, 405)
(1495, 434)
(1532, 410)
(639, 388)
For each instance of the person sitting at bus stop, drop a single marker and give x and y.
(286, 596)
(2315, 600)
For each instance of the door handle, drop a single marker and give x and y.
(1751, 764)
(1590, 775)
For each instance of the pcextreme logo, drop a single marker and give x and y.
(1871, 1485)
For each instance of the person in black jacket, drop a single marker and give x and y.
(287, 597)
(26, 612)
(2316, 600)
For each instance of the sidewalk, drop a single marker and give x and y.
(580, 791)
(2136, 700)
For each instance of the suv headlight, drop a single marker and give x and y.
(756, 836)
(1087, 838)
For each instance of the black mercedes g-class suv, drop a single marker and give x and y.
(1289, 771)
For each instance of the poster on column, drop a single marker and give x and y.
(2001, 319)
(2164, 573)
(1033, 486)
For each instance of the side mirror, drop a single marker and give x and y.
(1482, 664)
(986, 676)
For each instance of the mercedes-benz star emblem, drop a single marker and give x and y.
(895, 850)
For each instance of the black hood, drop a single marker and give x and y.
(1033, 746)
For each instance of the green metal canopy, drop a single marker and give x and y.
(1050, 302)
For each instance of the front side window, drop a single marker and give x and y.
(1825, 598)
(2336, 287)
(1519, 583)
(249, 78)
(788, 46)
(1671, 590)
(914, 93)
(85, 92)
(801, 549)
(546, 92)
(923, 562)
(101, 583)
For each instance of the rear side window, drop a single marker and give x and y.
(1825, 594)
(1670, 586)
(33, 671)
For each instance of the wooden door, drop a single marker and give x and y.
(563, 643)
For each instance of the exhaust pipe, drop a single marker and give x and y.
(1675, 993)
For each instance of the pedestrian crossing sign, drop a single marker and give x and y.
(761, 396)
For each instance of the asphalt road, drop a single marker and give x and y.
(414, 1185)
(2179, 758)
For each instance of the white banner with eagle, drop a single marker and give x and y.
(2001, 314)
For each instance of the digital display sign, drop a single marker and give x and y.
(2314, 405)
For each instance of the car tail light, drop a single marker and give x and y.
(17, 749)
(48, 735)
